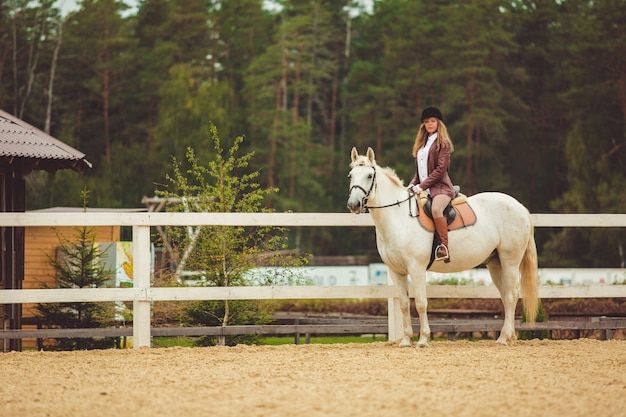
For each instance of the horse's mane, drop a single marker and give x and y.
(362, 160)
(391, 174)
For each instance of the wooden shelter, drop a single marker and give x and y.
(23, 149)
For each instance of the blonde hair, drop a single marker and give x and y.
(443, 139)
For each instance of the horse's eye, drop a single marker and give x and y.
(370, 176)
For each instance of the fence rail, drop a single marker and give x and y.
(143, 295)
(79, 295)
(607, 325)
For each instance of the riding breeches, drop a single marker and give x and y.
(438, 205)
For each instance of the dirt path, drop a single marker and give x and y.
(531, 378)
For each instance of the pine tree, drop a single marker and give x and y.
(78, 264)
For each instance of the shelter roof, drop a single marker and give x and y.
(23, 147)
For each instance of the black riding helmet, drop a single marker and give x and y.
(431, 112)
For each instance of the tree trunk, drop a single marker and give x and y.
(471, 146)
(293, 145)
(106, 91)
(220, 340)
(311, 78)
(14, 42)
(33, 57)
(53, 67)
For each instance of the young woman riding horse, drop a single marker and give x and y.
(431, 150)
(502, 238)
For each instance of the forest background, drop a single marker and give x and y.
(533, 94)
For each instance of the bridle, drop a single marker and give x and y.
(366, 194)
(365, 208)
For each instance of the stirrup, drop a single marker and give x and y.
(445, 257)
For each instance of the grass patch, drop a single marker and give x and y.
(171, 341)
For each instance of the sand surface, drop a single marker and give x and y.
(530, 378)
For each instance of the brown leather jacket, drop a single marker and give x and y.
(438, 166)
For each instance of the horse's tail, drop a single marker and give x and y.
(530, 277)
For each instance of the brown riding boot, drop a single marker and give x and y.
(442, 253)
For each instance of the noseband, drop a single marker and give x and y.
(364, 207)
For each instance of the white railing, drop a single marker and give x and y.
(142, 294)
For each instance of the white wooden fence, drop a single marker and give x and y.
(142, 294)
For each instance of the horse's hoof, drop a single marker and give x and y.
(405, 344)
(502, 342)
(423, 342)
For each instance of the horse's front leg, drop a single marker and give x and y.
(402, 283)
(421, 303)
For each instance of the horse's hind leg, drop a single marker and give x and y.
(402, 283)
(505, 279)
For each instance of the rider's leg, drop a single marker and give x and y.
(438, 205)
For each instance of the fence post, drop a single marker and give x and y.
(394, 317)
(141, 281)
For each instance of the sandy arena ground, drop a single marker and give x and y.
(530, 378)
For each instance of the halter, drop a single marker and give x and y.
(365, 208)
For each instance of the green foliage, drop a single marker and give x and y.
(532, 93)
(213, 313)
(189, 104)
(222, 185)
(224, 254)
(352, 306)
(78, 264)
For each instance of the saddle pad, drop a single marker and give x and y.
(465, 216)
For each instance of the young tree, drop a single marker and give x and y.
(224, 254)
(79, 264)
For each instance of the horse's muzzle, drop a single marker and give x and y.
(355, 205)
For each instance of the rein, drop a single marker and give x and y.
(366, 208)
(397, 203)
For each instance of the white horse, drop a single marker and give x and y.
(502, 239)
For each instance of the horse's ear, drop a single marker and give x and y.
(370, 155)
(354, 154)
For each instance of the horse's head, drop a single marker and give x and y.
(362, 179)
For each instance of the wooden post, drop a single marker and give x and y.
(141, 279)
(394, 317)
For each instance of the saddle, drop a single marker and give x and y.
(458, 213)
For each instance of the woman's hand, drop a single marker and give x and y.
(414, 188)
